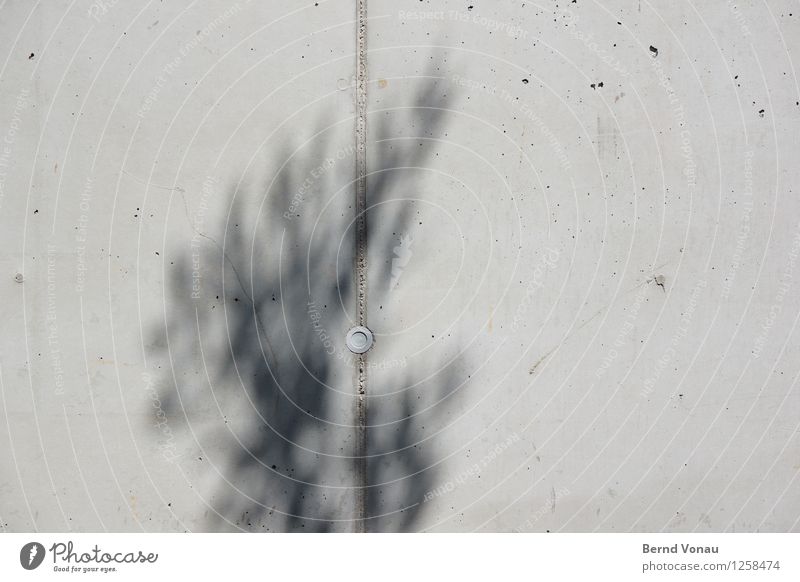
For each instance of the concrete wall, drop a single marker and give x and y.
(583, 258)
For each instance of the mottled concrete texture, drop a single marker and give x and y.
(583, 266)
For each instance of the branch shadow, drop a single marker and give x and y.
(256, 315)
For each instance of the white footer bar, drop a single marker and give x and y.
(390, 557)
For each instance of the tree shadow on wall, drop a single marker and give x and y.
(257, 313)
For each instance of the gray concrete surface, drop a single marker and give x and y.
(583, 244)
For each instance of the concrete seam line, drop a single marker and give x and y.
(361, 260)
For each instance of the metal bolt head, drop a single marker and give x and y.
(359, 339)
